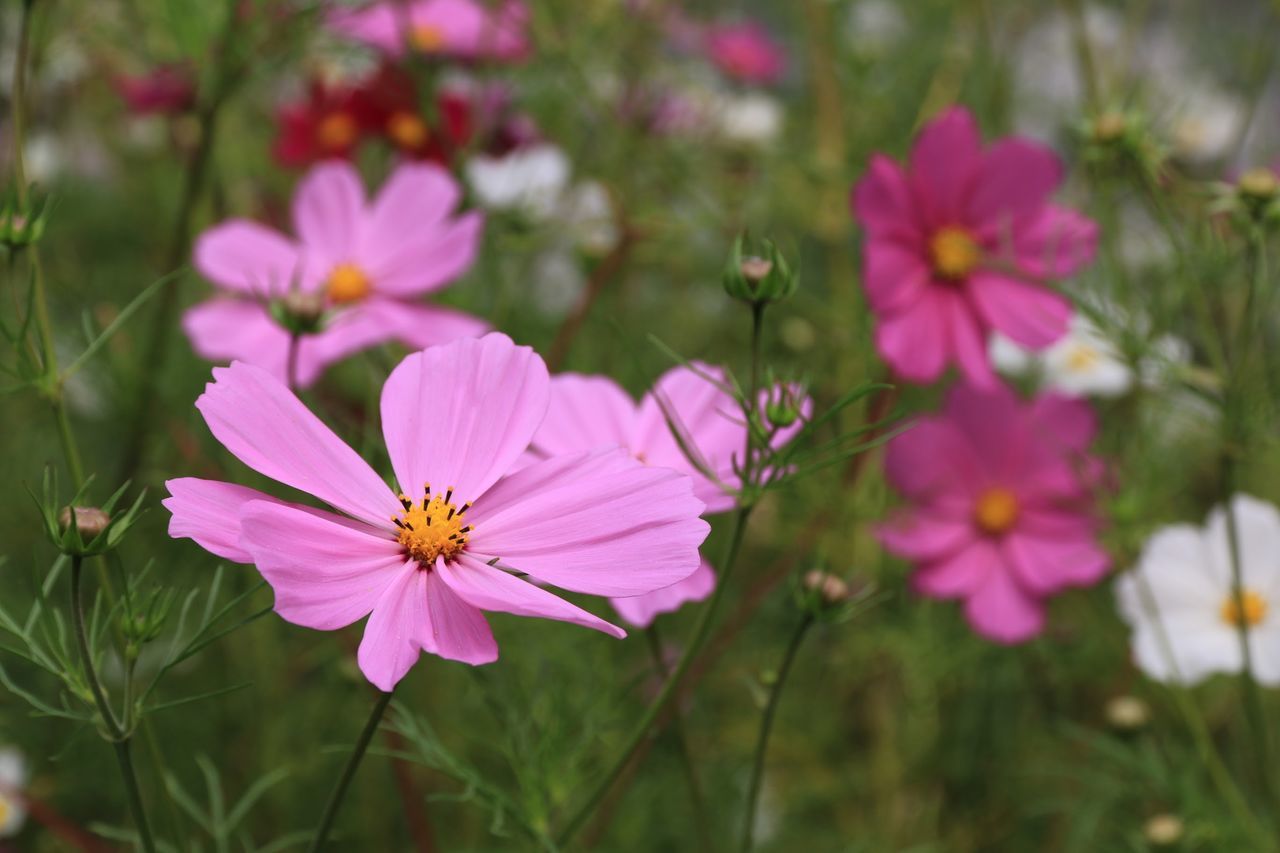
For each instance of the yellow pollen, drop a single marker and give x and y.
(996, 510)
(1082, 358)
(432, 527)
(427, 38)
(5, 810)
(407, 130)
(337, 131)
(1247, 611)
(347, 283)
(953, 252)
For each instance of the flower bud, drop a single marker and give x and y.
(90, 521)
(1109, 127)
(782, 406)
(21, 224)
(1127, 713)
(1258, 182)
(758, 277)
(1164, 830)
(298, 312)
(84, 531)
(829, 589)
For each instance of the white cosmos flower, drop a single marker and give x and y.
(752, 118)
(530, 179)
(1180, 604)
(13, 778)
(1084, 363)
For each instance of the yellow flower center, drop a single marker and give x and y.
(996, 510)
(407, 130)
(1082, 358)
(427, 38)
(6, 810)
(337, 131)
(953, 252)
(432, 527)
(1246, 611)
(347, 283)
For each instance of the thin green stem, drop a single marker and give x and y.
(348, 772)
(1087, 68)
(118, 735)
(766, 726)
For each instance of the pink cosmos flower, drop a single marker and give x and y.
(745, 51)
(459, 29)
(423, 562)
(361, 263)
(956, 243)
(1000, 514)
(594, 412)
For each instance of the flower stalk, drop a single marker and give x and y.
(349, 771)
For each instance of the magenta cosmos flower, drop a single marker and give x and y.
(957, 244)
(361, 263)
(425, 560)
(1001, 500)
(458, 29)
(745, 51)
(594, 412)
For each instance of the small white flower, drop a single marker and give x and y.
(1083, 363)
(874, 26)
(753, 118)
(1181, 606)
(530, 180)
(587, 216)
(1207, 123)
(13, 778)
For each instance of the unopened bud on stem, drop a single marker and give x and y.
(89, 520)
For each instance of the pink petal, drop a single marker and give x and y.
(923, 534)
(1046, 566)
(932, 460)
(961, 574)
(994, 425)
(376, 25)
(1029, 314)
(419, 326)
(237, 329)
(208, 512)
(411, 207)
(1055, 242)
(968, 341)
(944, 161)
(489, 588)
(641, 610)
(327, 571)
(455, 630)
(1001, 610)
(459, 415)
(599, 523)
(586, 413)
(267, 428)
(389, 647)
(1068, 423)
(329, 212)
(1015, 178)
(428, 263)
(894, 276)
(247, 258)
(883, 203)
(914, 340)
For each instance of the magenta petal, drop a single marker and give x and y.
(227, 330)
(586, 413)
(914, 340)
(883, 202)
(329, 212)
(933, 459)
(968, 341)
(389, 647)
(420, 326)
(459, 415)
(1045, 566)
(1069, 423)
(924, 534)
(1029, 314)
(409, 236)
(267, 428)
(599, 523)
(1001, 610)
(428, 265)
(961, 574)
(208, 512)
(894, 275)
(641, 610)
(455, 630)
(327, 571)
(993, 423)
(1055, 242)
(489, 588)
(248, 258)
(944, 161)
(1016, 177)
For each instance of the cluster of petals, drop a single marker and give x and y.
(469, 30)
(688, 405)
(959, 243)
(457, 420)
(364, 263)
(1000, 495)
(1181, 603)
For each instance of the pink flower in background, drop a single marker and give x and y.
(424, 562)
(745, 51)
(594, 412)
(457, 29)
(165, 89)
(956, 243)
(362, 262)
(1000, 515)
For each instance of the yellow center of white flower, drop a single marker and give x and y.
(407, 130)
(996, 510)
(953, 252)
(6, 810)
(1246, 611)
(427, 38)
(432, 527)
(1082, 358)
(337, 131)
(347, 283)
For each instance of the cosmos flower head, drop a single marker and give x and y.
(462, 529)
(1000, 506)
(1181, 605)
(358, 264)
(958, 244)
(448, 29)
(162, 90)
(745, 51)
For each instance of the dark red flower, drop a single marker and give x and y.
(165, 90)
(326, 124)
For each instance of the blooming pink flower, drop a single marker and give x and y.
(745, 51)
(594, 412)
(425, 562)
(361, 262)
(459, 29)
(1001, 499)
(165, 89)
(955, 242)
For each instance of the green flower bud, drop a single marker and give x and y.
(21, 224)
(299, 313)
(759, 277)
(78, 530)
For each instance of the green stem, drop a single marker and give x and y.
(697, 800)
(349, 772)
(766, 725)
(118, 736)
(1088, 69)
